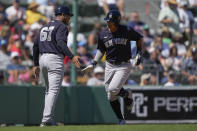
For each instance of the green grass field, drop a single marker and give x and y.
(134, 127)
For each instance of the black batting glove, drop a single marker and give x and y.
(94, 63)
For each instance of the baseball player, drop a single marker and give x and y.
(115, 42)
(51, 44)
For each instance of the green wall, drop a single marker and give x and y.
(75, 105)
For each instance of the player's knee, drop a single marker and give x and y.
(123, 93)
(112, 95)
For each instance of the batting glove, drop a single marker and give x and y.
(138, 58)
(93, 63)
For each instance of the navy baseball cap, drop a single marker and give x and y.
(17, 1)
(64, 10)
(113, 16)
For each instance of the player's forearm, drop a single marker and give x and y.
(64, 48)
(140, 46)
(98, 56)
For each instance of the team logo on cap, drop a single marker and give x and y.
(110, 15)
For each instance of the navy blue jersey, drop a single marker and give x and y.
(117, 44)
(49, 35)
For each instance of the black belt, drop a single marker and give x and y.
(118, 62)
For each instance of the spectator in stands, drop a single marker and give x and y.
(168, 16)
(4, 56)
(145, 79)
(195, 33)
(18, 28)
(189, 67)
(179, 43)
(13, 68)
(36, 26)
(46, 7)
(152, 64)
(33, 15)
(14, 44)
(29, 42)
(2, 14)
(92, 38)
(171, 79)
(173, 62)
(186, 17)
(85, 57)
(157, 43)
(15, 12)
(27, 59)
(18, 73)
(166, 37)
(163, 4)
(98, 77)
(112, 5)
(66, 80)
(4, 31)
(148, 38)
(135, 22)
(80, 37)
(193, 6)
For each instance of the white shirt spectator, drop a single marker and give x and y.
(193, 2)
(174, 62)
(169, 84)
(185, 16)
(64, 83)
(95, 82)
(80, 37)
(13, 13)
(97, 79)
(167, 12)
(100, 2)
(4, 60)
(182, 51)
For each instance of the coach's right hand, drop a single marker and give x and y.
(75, 60)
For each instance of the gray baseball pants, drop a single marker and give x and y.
(52, 69)
(115, 78)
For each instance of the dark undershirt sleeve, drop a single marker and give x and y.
(36, 51)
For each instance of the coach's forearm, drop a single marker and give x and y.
(36, 54)
(64, 48)
(98, 56)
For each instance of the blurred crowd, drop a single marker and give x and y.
(170, 57)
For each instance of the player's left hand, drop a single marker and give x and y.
(36, 70)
